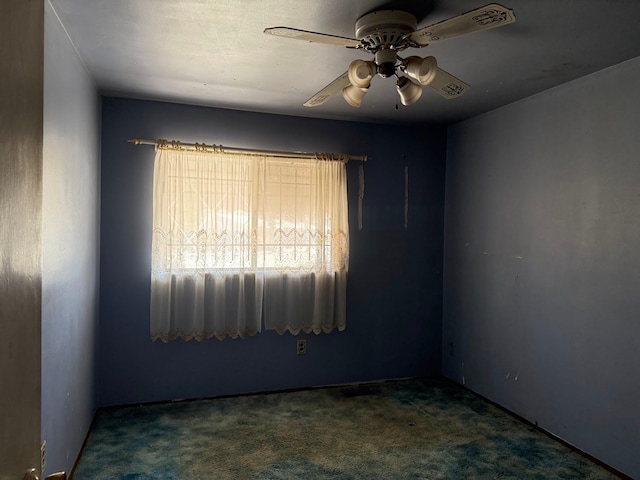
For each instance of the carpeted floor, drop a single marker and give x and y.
(418, 429)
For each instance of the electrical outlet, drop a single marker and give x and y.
(301, 347)
(43, 456)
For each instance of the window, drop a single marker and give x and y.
(242, 241)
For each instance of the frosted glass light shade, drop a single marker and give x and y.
(360, 73)
(409, 91)
(421, 69)
(354, 95)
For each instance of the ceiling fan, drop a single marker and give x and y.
(384, 33)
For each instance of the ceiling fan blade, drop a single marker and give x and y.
(483, 18)
(446, 85)
(329, 91)
(314, 37)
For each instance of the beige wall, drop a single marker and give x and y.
(21, 91)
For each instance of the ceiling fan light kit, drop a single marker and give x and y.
(386, 60)
(384, 33)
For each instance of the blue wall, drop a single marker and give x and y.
(394, 309)
(70, 247)
(542, 266)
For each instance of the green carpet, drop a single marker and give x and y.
(418, 429)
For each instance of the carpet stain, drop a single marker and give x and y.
(418, 429)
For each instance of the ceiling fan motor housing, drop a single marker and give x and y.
(385, 28)
(383, 32)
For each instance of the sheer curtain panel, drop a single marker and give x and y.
(306, 246)
(244, 241)
(204, 281)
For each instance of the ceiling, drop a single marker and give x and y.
(214, 53)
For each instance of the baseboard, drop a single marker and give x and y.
(264, 392)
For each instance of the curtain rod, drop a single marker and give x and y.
(202, 147)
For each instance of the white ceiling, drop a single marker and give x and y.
(214, 53)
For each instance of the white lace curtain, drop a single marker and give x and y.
(242, 242)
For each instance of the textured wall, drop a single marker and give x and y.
(70, 247)
(395, 278)
(542, 265)
(21, 53)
